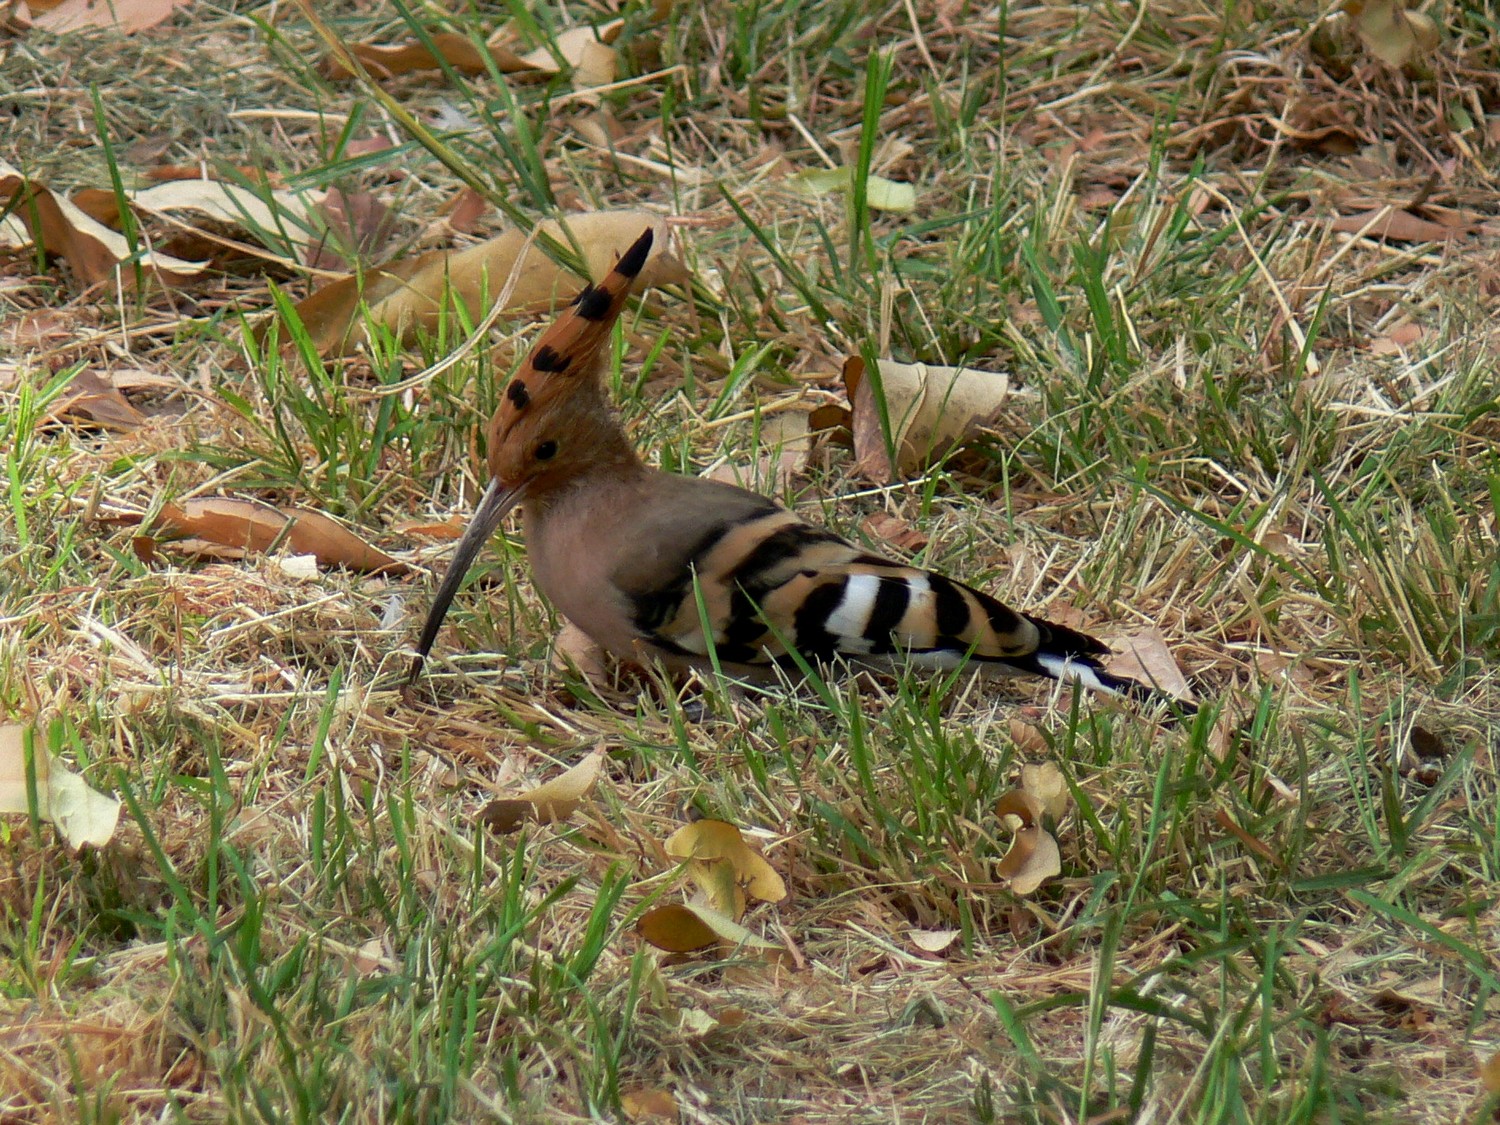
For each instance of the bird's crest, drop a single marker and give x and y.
(570, 349)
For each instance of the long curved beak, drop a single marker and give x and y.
(496, 501)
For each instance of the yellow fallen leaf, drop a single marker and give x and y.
(550, 802)
(719, 885)
(80, 814)
(717, 839)
(1046, 783)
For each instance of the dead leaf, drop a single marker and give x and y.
(1398, 225)
(575, 46)
(93, 252)
(1046, 783)
(687, 928)
(718, 887)
(1392, 34)
(717, 839)
(357, 224)
(647, 1103)
(895, 531)
(1033, 857)
(1397, 340)
(126, 15)
(444, 530)
(466, 209)
(95, 397)
(80, 814)
(240, 526)
(934, 941)
(1148, 659)
(1028, 739)
(930, 409)
(677, 928)
(410, 295)
(549, 803)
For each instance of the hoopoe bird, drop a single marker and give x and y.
(688, 572)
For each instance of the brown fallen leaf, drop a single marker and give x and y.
(1398, 225)
(930, 409)
(240, 526)
(576, 47)
(716, 839)
(357, 225)
(410, 295)
(126, 15)
(1033, 857)
(1148, 659)
(93, 252)
(895, 531)
(80, 814)
(550, 802)
(95, 397)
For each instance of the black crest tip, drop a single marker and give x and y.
(632, 260)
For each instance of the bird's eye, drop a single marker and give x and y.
(546, 451)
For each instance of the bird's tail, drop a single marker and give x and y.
(1069, 656)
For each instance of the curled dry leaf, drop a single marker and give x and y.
(1148, 659)
(231, 527)
(548, 803)
(895, 531)
(930, 409)
(1033, 857)
(717, 839)
(408, 296)
(94, 252)
(1045, 782)
(80, 814)
(1392, 34)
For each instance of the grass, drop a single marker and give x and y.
(1274, 441)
